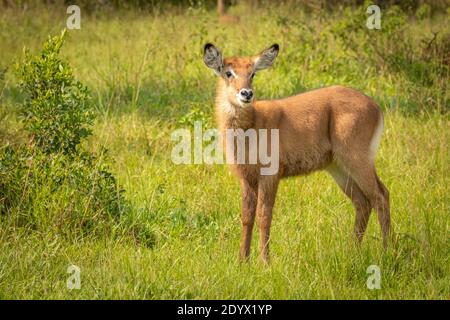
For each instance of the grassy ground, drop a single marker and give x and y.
(147, 78)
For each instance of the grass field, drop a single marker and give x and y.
(147, 78)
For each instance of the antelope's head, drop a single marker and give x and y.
(238, 72)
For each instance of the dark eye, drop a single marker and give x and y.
(228, 74)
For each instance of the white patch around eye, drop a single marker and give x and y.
(233, 73)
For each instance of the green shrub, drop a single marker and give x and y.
(423, 12)
(393, 50)
(52, 184)
(71, 196)
(12, 175)
(57, 112)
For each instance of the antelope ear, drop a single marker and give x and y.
(266, 58)
(213, 58)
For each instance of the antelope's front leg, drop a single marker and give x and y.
(249, 198)
(267, 190)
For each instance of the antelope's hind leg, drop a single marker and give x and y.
(359, 200)
(375, 192)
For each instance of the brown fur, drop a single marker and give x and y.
(224, 17)
(325, 129)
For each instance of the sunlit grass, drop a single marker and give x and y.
(145, 72)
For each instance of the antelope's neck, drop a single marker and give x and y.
(230, 116)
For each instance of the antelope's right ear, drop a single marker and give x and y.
(213, 58)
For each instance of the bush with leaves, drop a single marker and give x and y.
(52, 184)
(57, 112)
(393, 49)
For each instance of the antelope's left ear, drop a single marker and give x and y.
(266, 58)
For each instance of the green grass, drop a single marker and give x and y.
(146, 74)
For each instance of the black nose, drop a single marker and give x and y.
(247, 93)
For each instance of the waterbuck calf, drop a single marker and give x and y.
(336, 129)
